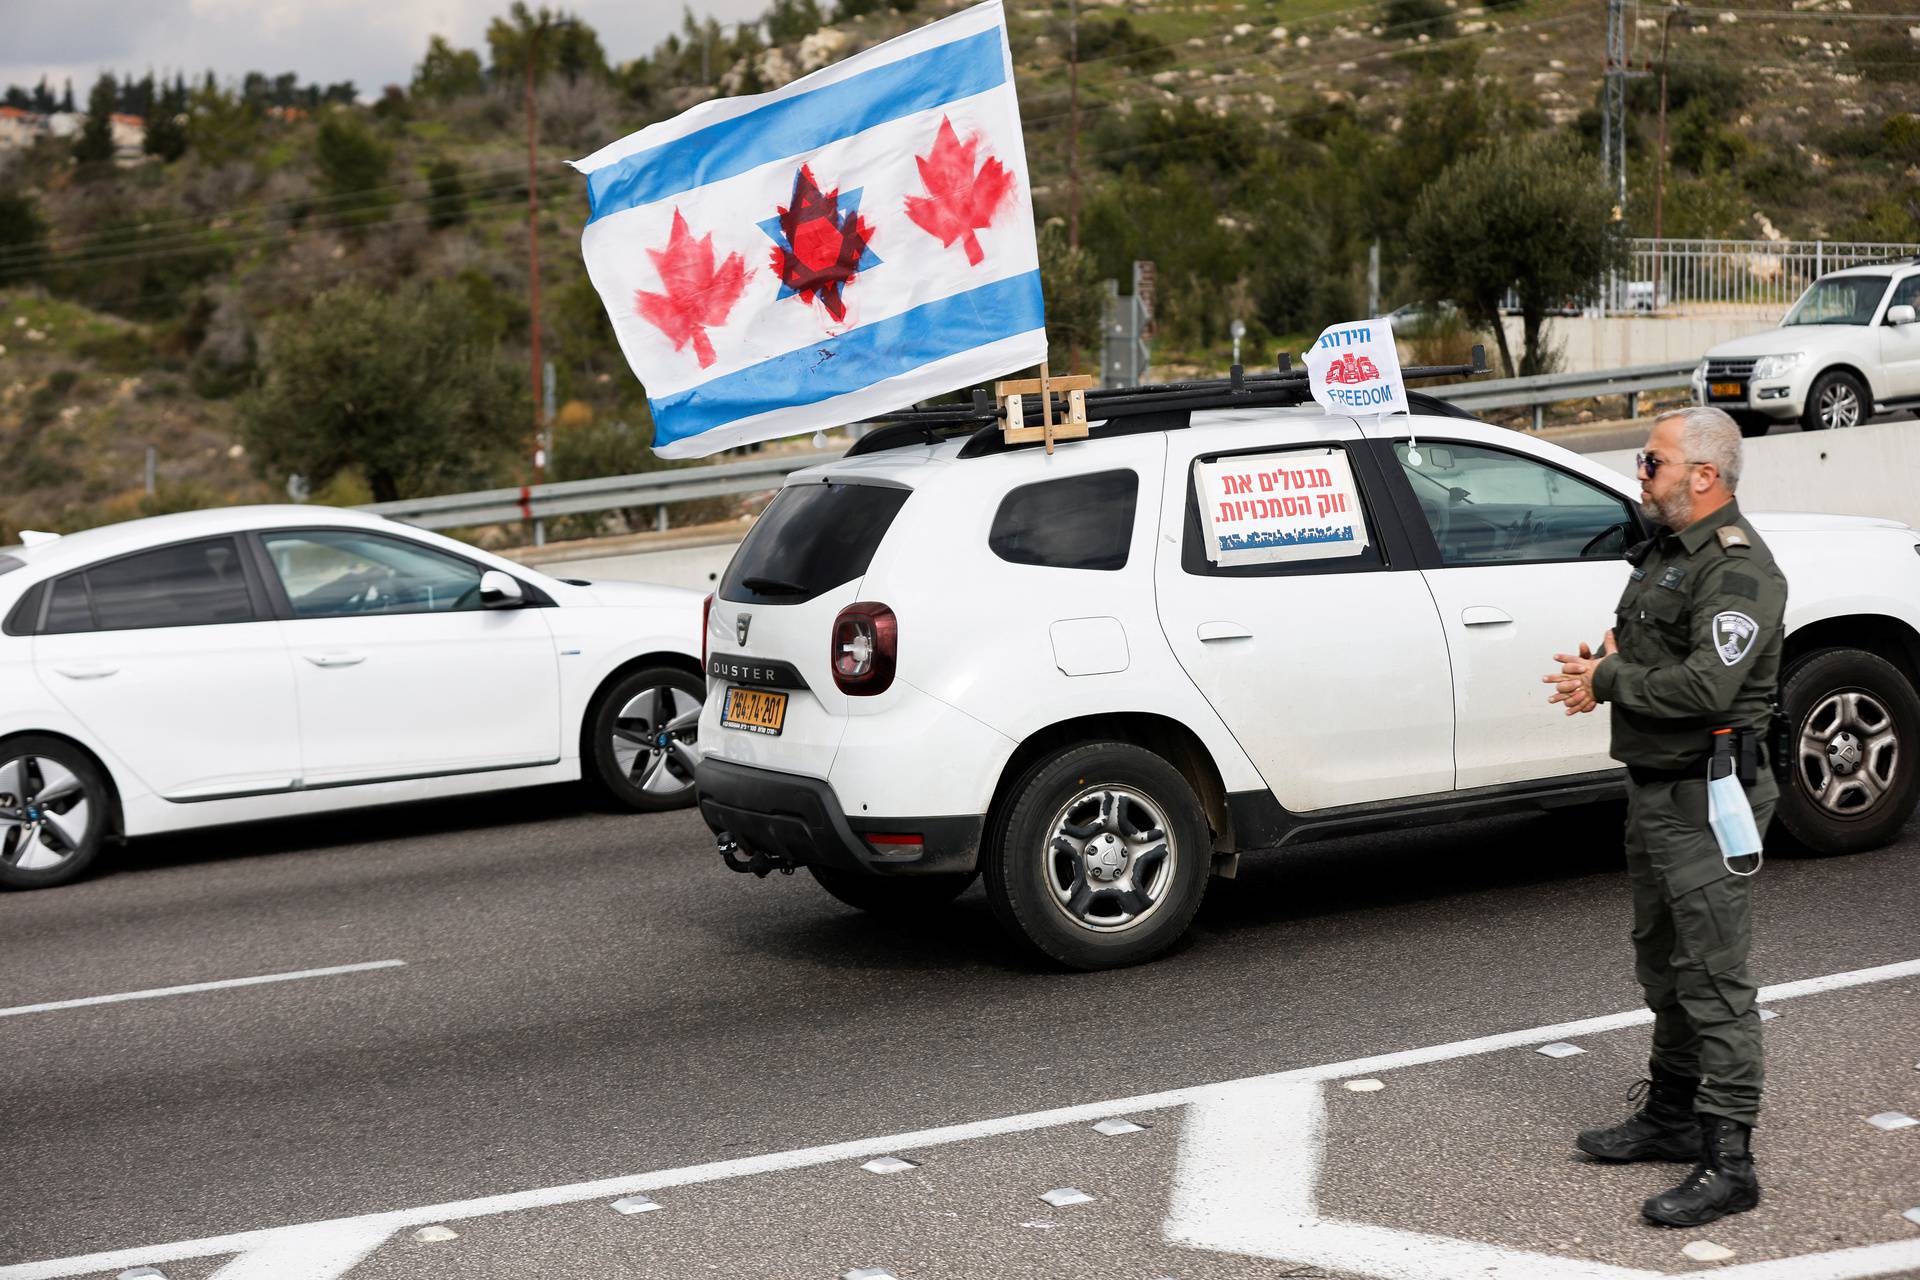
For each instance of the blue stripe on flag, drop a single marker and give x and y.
(856, 359)
(793, 126)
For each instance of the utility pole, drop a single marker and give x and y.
(1073, 125)
(1613, 114)
(1660, 162)
(533, 257)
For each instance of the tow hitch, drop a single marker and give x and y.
(759, 864)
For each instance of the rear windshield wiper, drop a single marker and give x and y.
(773, 586)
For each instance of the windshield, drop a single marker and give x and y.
(1839, 300)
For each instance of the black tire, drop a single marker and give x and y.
(896, 896)
(1751, 424)
(1837, 382)
(1815, 697)
(1027, 874)
(622, 756)
(62, 853)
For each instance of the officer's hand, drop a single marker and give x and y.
(1573, 683)
(1607, 646)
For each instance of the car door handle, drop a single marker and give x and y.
(1483, 615)
(1211, 631)
(93, 671)
(335, 659)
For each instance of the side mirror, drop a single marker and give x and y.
(1901, 314)
(499, 591)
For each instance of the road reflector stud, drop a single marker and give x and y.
(634, 1204)
(1891, 1120)
(1061, 1197)
(434, 1235)
(1707, 1251)
(889, 1164)
(1559, 1049)
(1365, 1086)
(868, 1273)
(142, 1273)
(1913, 1216)
(1768, 1015)
(1114, 1127)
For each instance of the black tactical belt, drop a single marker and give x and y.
(1644, 776)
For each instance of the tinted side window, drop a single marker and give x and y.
(195, 584)
(1079, 522)
(23, 618)
(69, 610)
(1487, 506)
(1906, 293)
(809, 540)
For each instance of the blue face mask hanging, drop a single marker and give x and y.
(1728, 812)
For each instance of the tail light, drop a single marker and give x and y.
(866, 644)
(706, 619)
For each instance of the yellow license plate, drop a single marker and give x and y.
(1728, 389)
(755, 710)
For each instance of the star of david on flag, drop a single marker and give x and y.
(852, 243)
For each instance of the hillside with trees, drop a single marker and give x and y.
(306, 283)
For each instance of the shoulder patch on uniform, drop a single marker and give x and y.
(1733, 636)
(1740, 584)
(1731, 537)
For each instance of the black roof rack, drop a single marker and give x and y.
(1157, 406)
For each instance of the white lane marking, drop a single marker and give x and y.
(862, 1148)
(307, 1253)
(191, 987)
(1249, 1168)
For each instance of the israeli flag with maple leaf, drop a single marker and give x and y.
(852, 243)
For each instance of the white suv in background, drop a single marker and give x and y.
(1849, 348)
(938, 657)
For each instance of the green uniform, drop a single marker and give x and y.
(1698, 632)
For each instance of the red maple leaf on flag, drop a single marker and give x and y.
(697, 295)
(959, 201)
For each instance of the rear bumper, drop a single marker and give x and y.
(791, 820)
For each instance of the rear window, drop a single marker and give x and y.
(1078, 522)
(9, 563)
(811, 539)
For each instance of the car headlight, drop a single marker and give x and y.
(1776, 366)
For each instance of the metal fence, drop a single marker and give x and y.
(1691, 275)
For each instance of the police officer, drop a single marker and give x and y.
(1695, 648)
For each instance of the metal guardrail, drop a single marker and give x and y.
(1538, 392)
(659, 489)
(570, 497)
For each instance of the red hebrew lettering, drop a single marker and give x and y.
(1322, 476)
(1266, 482)
(1226, 512)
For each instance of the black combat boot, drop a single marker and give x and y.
(1723, 1182)
(1664, 1128)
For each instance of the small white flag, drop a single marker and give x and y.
(1355, 368)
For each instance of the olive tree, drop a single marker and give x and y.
(406, 387)
(1525, 216)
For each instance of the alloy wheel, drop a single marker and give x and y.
(45, 813)
(1849, 752)
(1839, 405)
(653, 740)
(1110, 859)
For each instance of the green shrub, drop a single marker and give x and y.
(1406, 19)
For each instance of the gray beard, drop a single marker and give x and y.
(1677, 513)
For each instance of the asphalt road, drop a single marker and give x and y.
(587, 995)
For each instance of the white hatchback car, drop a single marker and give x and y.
(266, 662)
(936, 657)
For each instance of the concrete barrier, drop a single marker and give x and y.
(1586, 343)
(1863, 471)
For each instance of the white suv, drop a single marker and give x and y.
(1849, 349)
(938, 657)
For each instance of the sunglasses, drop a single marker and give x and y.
(1649, 463)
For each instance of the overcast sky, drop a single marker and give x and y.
(370, 42)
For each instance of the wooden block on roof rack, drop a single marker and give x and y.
(1013, 395)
